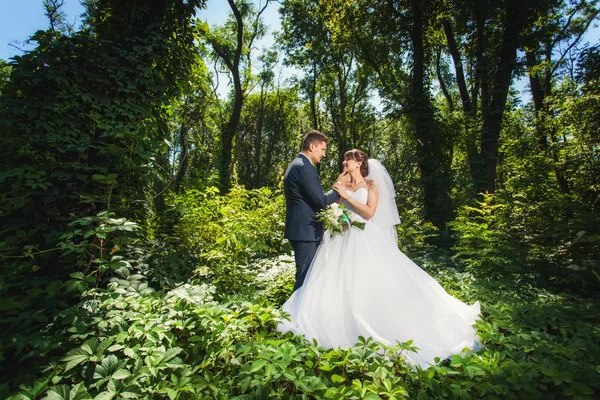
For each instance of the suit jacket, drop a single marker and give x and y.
(304, 197)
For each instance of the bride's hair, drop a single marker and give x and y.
(361, 157)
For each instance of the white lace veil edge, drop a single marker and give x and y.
(386, 216)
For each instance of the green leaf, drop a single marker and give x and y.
(105, 396)
(11, 173)
(129, 352)
(121, 374)
(60, 392)
(74, 358)
(258, 365)
(107, 367)
(170, 354)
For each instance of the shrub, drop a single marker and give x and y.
(217, 235)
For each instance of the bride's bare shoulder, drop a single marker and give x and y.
(371, 185)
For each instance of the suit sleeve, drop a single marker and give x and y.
(311, 185)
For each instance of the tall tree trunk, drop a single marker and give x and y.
(183, 158)
(481, 67)
(343, 125)
(313, 96)
(274, 137)
(469, 108)
(431, 158)
(227, 136)
(539, 93)
(228, 131)
(458, 68)
(258, 140)
(159, 187)
(438, 70)
(494, 111)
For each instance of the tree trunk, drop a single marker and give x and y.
(431, 157)
(343, 126)
(258, 140)
(159, 188)
(313, 97)
(458, 68)
(469, 108)
(494, 111)
(228, 132)
(441, 81)
(183, 158)
(539, 93)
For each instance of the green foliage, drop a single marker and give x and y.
(532, 225)
(107, 120)
(181, 343)
(215, 236)
(275, 277)
(122, 339)
(81, 117)
(232, 228)
(505, 235)
(268, 143)
(93, 247)
(487, 239)
(5, 70)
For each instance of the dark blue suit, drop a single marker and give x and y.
(304, 197)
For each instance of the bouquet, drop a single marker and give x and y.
(337, 219)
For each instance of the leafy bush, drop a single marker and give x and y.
(275, 277)
(93, 250)
(506, 234)
(81, 120)
(183, 343)
(215, 236)
(488, 243)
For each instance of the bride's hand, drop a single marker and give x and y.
(344, 177)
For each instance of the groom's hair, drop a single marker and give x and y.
(313, 136)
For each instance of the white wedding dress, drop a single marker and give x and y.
(361, 284)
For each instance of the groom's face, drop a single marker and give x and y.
(318, 151)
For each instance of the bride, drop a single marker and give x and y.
(361, 284)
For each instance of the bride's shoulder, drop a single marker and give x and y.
(371, 185)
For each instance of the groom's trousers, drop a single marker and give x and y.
(304, 252)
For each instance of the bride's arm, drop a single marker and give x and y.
(366, 210)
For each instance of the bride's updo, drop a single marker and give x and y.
(361, 157)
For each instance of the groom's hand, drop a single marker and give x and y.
(341, 189)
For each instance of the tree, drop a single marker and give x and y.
(385, 35)
(232, 45)
(83, 117)
(57, 18)
(5, 70)
(556, 34)
(336, 81)
(485, 37)
(266, 142)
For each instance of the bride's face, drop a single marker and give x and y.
(350, 165)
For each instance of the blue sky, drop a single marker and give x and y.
(19, 19)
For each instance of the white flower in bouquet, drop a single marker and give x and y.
(337, 210)
(336, 218)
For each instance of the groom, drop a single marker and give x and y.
(304, 197)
